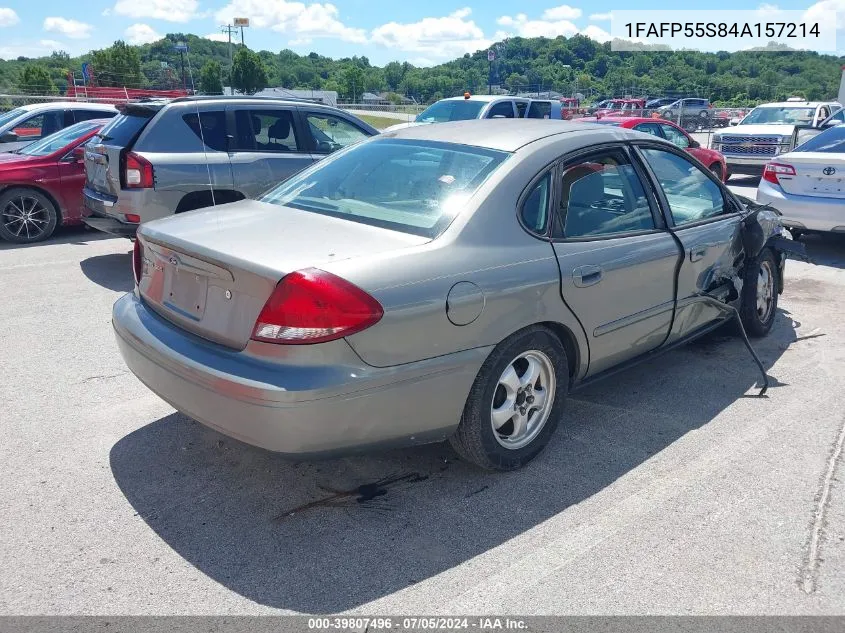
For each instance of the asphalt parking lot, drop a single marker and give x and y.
(667, 490)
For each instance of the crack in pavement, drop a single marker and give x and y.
(810, 566)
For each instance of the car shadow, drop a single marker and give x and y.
(327, 536)
(77, 234)
(825, 249)
(112, 271)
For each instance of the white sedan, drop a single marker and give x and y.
(807, 185)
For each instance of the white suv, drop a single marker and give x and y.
(767, 131)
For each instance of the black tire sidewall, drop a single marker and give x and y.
(748, 310)
(52, 212)
(716, 170)
(477, 412)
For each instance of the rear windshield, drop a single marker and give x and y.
(123, 129)
(410, 186)
(455, 110)
(831, 141)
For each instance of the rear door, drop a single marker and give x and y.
(617, 261)
(705, 221)
(267, 147)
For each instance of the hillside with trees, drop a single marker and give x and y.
(567, 65)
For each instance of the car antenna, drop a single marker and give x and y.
(202, 138)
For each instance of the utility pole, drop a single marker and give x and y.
(227, 29)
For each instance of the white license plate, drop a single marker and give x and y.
(185, 293)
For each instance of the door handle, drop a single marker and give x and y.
(584, 276)
(697, 253)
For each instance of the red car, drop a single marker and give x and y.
(661, 128)
(41, 184)
(622, 107)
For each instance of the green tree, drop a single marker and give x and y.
(35, 80)
(119, 65)
(248, 72)
(352, 83)
(393, 75)
(210, 82)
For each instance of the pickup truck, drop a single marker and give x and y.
(768, 131)
(804, 133)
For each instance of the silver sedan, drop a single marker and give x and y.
(451, 281)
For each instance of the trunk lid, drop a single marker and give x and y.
(104, 155)
(817, 174)
(212, 271)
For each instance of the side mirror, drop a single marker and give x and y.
(9, 137)
(830, 123)
(693, 144)
(77, 154)
(734, 122)
(498, 116)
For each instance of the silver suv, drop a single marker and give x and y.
(158, 158)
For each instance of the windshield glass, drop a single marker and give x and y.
(780, 116)
(55, 142)
(831, 141)
(414, 187)
(10, 115)
(443, 111)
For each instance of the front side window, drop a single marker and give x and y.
(209, 126)
(692, 195)
(503, 109)
(535, 209)
(87, 115)
(40, 125)
(11, 115)
(414, 187)
(59, 140)
(675, 136)
(332, 133)
(265, 131)
(603, 196)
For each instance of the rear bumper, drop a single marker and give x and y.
(111, 225)
(804, 212)
(277, 398)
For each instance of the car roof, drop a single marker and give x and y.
(481, 98)
(506, 136)
(68, 105)
(797, 104)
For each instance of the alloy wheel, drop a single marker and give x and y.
(25, 217)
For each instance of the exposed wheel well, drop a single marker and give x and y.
(201, 199)
(573, 354)
(46, 194)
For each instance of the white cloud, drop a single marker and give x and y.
(823, 12)
(170, 10)
(600, 17)
(69, 28)
(538, 28)
(51, 44)
(304, 41)
(141, 34)
(768, 9)
(217, 37)
(563, 12)
(596, 33)
(8, 17)
(293, 18)
(436, 38)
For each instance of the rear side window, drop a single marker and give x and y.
(535, 209)
(603, 196)
(208, 126)
(521, 107)
(265, 131)
(831, 141)
(540, 110)
(123, 129)
(414, 187)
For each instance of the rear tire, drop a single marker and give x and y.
(526, 376)
(759, 294)
(26, 216)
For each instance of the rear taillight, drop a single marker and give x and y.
(773, 170)
(313, 306)
(138, 172)
(137, 260)
(132, 217)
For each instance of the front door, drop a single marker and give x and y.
(707, 224)
(617, 261)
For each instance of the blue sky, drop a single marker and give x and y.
(421, 32)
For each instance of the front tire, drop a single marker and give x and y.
(26, 216)
(516, 401)
(759, 294)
